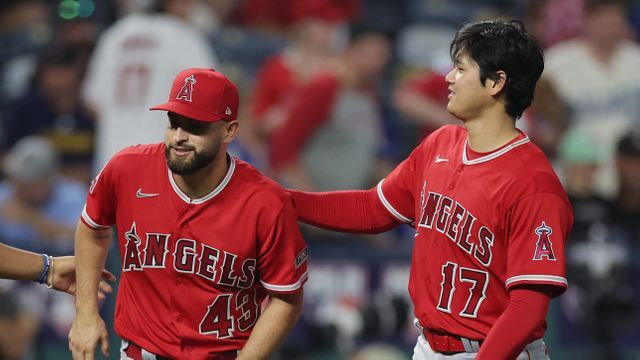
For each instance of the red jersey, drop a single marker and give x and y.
(275, 84)
(483, 225)
(194, 271)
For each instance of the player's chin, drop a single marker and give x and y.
(451, 107)
(180, 165)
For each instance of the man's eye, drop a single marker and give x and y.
(196, 130)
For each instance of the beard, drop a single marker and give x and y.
(191, 164)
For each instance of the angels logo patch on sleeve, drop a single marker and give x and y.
(544, 247)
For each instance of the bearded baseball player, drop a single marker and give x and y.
(204, 238)
(490, 214)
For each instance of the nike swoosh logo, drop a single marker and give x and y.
(439, 159)
(141, 195)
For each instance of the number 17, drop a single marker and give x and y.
(477, 292)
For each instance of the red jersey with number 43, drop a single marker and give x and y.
(484, 224)
(194, 271)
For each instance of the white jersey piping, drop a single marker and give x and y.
(90, 221)
(389, 207)
(210, 195)
(536, 278)
(291, 287)
(493, 155)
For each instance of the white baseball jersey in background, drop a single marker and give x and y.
(603, 99)
(133, 66)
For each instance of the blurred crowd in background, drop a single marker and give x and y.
(334, 93)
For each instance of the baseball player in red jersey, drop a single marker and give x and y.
(204, 238)
(490, 215)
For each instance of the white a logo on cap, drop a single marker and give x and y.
(228, 111)
(187, 89)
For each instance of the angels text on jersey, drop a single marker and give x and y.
(189, 257)
(452, 219)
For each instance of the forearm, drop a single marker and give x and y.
(358, 211)
(272, 327)
(19, 264)
(91, 249)
(525, 313)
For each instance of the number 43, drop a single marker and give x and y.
(477, 291)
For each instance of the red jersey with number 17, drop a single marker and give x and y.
(194, 271)
(484, 224)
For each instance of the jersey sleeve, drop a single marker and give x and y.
(99, 210)
(282, 258)
(309, 111)
(539, 225)
(397, 190)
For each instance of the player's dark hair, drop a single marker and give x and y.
(503, 45)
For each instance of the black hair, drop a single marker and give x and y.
(629, 145)
(503, 45)
(359, 30)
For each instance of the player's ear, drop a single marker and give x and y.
(230, 131)
(496, 85)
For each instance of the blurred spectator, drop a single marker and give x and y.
(311, 41)
(546, 120)
(592, 76)
(39, 207)
(311, 44)
(24, 30)
(278, 15)
(627, 205)
(421, 93)
(423, 99)
(579, 157)
(133, 65)
(52, 109)
(599, 263)
(79, 34)
(555, 21)
(332, 134)
(18, 328)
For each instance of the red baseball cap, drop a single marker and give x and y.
(202, 94)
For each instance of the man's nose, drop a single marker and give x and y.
(179, 135)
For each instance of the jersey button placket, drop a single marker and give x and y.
(459, 171)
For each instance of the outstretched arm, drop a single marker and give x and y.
(19, 264)
(357, 211)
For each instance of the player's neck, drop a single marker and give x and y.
(490, 133)
(205, 180)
